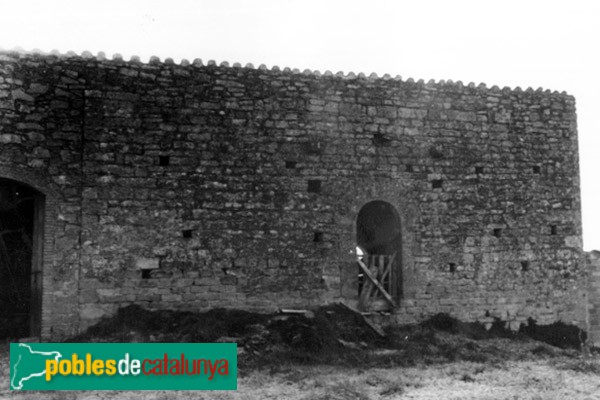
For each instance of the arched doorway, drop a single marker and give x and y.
(379, 252)
(21, 240)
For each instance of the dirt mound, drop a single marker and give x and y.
(557, 334)
(306, 336)
(135, 324)
(333, 334)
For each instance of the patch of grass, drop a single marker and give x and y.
(467, 378)
(591, 366)
(392, 388)
(543, 350)
(345, 391)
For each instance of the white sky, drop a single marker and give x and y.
(552, 44)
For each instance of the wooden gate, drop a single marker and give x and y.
(377, 282)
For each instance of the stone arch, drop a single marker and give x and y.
(44, 221)
(379, 232)
(402, 199)
(378, 228)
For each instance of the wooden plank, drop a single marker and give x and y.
(374, 270)
(371, 325)
(386, 271)
(390, 269)
(372, 290)
(378, 271)
(364, 293)
(393, 277)
(291, 311)
(376, 283)
(384, 268)
(375, 328)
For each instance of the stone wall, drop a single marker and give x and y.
(41, 105)
(192, 186)
(593, 264)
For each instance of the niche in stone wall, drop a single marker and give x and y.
(164, 161)
(437, 184)
(314, 186)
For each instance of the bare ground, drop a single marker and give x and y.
(332, 356)
(545, 379)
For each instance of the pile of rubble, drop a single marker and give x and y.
(334, 334)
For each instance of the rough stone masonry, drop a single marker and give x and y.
(191, 186)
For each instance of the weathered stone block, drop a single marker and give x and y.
(146, 263)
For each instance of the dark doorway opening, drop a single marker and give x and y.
(379, 249)
(21, 209)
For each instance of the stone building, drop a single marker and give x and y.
(191, 186)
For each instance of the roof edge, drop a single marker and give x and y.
(154, 60)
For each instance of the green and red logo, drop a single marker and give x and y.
(123, 366)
